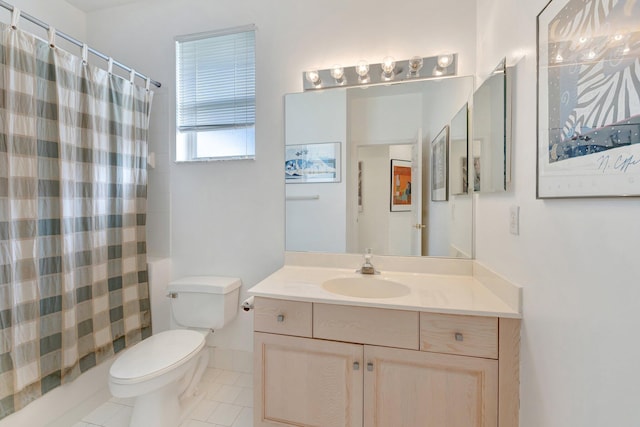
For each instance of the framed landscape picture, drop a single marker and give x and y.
(311, 163)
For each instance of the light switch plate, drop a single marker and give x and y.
(514, 220)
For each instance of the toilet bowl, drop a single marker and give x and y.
(163, 371)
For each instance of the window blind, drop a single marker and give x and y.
(216, 81)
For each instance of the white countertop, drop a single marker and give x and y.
(438, 293)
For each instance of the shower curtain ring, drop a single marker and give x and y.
(52, 37)
(85, 53)
(15, 17)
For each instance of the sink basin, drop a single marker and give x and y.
(365, 287)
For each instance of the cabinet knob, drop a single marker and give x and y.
(280, 318)
(370, 366)
(356, 366)
(459, 336)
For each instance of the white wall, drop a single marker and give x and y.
(227, 218)
(57, 13)
(576, 259)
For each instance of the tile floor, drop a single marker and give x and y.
(228, 402)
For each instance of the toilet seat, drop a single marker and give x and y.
(155, 356)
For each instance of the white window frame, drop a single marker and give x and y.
(187, 140)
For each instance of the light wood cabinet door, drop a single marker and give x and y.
(306, 382)
(405, 388)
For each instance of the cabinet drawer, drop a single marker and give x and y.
(366, 325)
(457, 334)
(282, 317)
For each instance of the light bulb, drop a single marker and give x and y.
(362, 68)
(559, 58)
(337, 72)
(388, 64)
(313, 77)
(445, 60)
(415, 65)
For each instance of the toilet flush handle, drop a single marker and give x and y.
(172, 295)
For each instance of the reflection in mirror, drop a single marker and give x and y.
(490, 148)
(374, 204)
(458, 158)
(462, 208)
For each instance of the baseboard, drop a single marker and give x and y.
(231, 360)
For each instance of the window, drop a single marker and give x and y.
(216, 96)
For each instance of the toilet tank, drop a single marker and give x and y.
(207, 302)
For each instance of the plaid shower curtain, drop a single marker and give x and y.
(73, 275)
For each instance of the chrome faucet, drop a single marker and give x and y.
(367, 267)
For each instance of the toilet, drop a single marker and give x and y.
(162, 372)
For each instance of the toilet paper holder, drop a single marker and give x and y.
(247, 304)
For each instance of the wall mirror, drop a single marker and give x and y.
(360, 173)
(491, 145)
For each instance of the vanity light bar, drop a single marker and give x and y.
(386, 72)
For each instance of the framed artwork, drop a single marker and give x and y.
(439, 162)
(400, 185)
(588, 102)
(476, 173)
(464, 175)
(459, 152)
(311, 163)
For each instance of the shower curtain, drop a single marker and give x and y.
(73, 275)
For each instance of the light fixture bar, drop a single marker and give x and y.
(432, 67)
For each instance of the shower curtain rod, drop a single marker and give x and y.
(73, 40)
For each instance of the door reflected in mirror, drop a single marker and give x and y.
(380, 127)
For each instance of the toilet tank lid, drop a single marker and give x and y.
(205, 284)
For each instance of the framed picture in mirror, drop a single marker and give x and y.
(588, 102)
(312, 163)
(400, 185)
(459, 153)
(439, 163)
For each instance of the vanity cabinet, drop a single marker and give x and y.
(351, 366)
(307, 382)
(415, 389)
